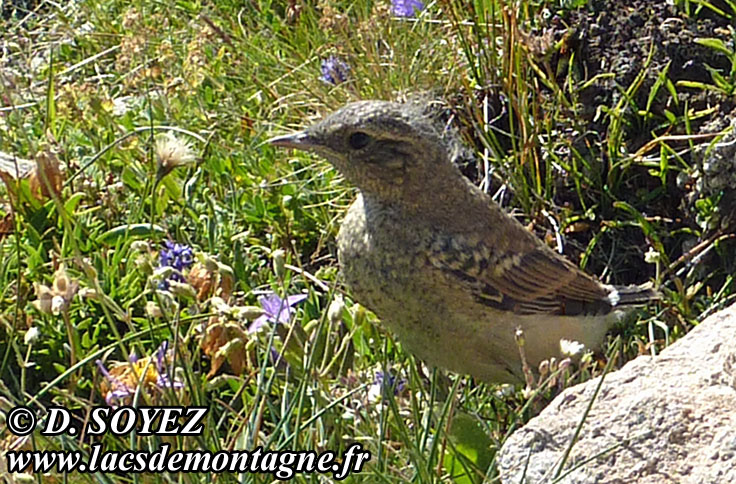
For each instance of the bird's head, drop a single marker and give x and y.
(386, 149)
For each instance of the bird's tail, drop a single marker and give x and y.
(635, 295)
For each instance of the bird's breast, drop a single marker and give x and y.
(377, 252)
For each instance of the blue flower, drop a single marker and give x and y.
(406, 8)
(178, 256)
(388, 383)
(163, 380)
(275, 309)
(334, 70)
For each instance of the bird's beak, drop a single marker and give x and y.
(299, 141)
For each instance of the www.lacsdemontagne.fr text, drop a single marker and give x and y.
(281, 464)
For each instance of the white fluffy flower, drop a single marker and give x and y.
(171, 152)
(571, 348)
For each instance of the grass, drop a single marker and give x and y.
(93, 87)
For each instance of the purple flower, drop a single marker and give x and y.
(178, 256)
(275, 309)
(389, 383)
(119, 391)
(163, 380)
(334, 70)
(406, 8)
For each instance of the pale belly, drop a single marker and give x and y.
(450, 331)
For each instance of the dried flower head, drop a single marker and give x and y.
(182, 289)
(331, 18)
(48, 178)
(55, 299)
(336, 308)
(211, 278)
(172, 151)
(43, 298)
(278, 258)
(150, 373)
(31, 335)
(153, 310)
(226, 340)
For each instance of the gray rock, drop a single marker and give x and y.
(667, 419)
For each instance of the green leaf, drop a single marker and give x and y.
(470, 452)
(173, 188)
(672, 90)
(697, 85)
(51, 97)
(718, 78)
(133, 177)
(661, 81)
(71, 204)
(715, 44)
(112, 236)
(86, 341)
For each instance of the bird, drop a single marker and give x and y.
(441, 264)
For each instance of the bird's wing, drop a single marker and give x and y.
(534, 280)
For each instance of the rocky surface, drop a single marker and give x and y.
(667, 419)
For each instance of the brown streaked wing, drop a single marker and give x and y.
(535, 282)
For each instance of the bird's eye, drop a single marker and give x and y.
(359, 140)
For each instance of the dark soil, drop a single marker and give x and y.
(620, 50)
(17, 8)
(641, 41)
(617, 37)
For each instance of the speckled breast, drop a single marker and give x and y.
(378, 256)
